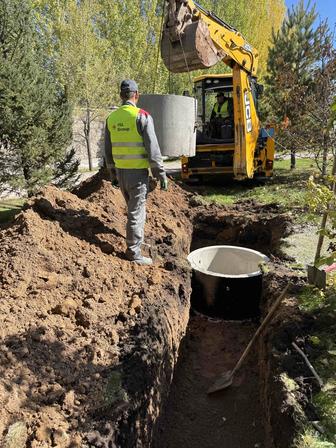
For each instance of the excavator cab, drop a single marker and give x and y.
(215, 114)
(215, 141)
(216, 146)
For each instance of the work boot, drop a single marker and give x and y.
(145, 261)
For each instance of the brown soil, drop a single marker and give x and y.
(230, 418)
(90, 341)
(256, 411)
(74, 310)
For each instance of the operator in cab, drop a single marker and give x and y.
(221, 116)
(221, 107)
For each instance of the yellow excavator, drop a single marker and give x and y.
(235, 144)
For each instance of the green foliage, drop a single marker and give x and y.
(311, 299)
(290, 60)
(321, 198)
(322, 305)
(97, 43)
(301, 84)
(35, 125)
(325, 401)
(312, 440)
(256, 24)
(83, 57)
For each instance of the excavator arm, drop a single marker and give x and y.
(194, 38)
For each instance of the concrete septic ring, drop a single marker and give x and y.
(227, 281)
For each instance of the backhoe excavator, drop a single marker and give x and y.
(194, 38)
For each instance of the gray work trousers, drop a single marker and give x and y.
(134, 187)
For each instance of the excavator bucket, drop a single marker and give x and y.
(194, 51)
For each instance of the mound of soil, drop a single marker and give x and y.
(86, 334)
(89, 341)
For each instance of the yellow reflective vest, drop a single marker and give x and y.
(128, 150)
(223, 112)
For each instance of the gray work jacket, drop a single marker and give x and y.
(145, 126)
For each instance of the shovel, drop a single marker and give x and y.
(225, 380)
(316, 276)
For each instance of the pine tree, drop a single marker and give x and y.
(35, 117)
(290, 69)
(318, 124)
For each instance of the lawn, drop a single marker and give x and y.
(9, 208)
(285, 188)
(321, 306)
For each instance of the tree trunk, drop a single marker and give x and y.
(27, 177)
(87, 129)
(293, 160)
(325, 156)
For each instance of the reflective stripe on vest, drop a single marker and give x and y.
(128, 148)
(223, 112)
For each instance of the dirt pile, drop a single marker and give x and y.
(89, 341)
(86, 334)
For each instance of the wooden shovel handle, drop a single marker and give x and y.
(263, 325)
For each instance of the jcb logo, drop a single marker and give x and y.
(248, 112)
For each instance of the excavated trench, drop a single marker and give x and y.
(217, 334)
(99, 353)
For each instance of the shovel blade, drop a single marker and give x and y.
(195, 51)
(317, 277)
(223, 382)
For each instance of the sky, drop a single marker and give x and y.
(325, 8)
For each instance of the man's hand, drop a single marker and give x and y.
(164, 184)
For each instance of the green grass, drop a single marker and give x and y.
(301, 164)
(9, 208)
(286, 188)
(309, 439)
(321, 305)
(86, 170)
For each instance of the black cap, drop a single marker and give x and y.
(128, 85)
(220, 94)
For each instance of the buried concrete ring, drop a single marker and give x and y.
(227, 281)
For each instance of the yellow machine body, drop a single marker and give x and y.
(250, 151)
(194, 38)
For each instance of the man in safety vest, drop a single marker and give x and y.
(221, 116)
(131, 148)
(222, 107)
